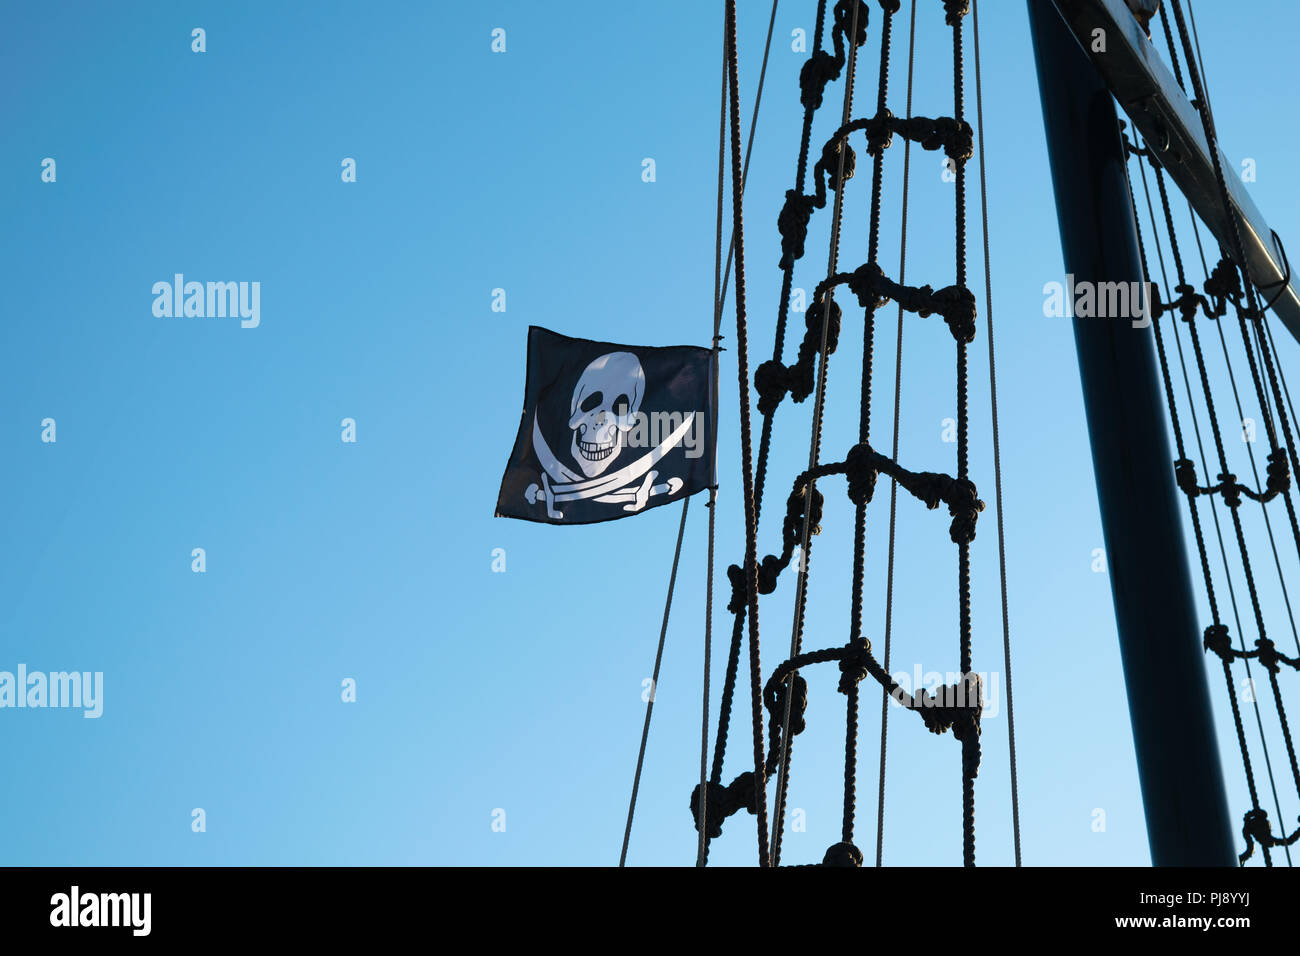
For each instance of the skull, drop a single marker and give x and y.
(607, 396)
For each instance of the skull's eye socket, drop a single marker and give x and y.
(622, 405)
(591, 401)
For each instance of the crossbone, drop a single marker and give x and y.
(631, 486)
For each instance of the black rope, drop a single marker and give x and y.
(698, 802)
(823, 321)
(1218, 633)
(1231, 690)
(654, 683)
(1259, 723)
(1199, 59)
(719, 293)
(864, 435)
(997, 455)
(1256, 315)
(898, 398)
(785, 695)
(820, 69)
(1196, 522)
(1273, 462)
(1222, 286)
(749, 142)
(701, 804)
(956, 11)
(1281, 374)
(746, 438)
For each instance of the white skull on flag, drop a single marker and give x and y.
(607, 396)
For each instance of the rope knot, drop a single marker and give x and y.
(798, 703)
(866, 282)
(957, 306)
(1255, 828)
(768, 571)
(853, 665)
(792, 223)
(955, 10)
(957, 707)
(818, 70)
(794, 512)
(1186, 302)
(1230, 489)
(955, 137)
(813, 320)
(741, 794)
(1217, 640)
(830, 162)
(843, 854)
(802, 379)
(880, 134)
(1185, 477)
(721, 802)
(1279, 473)
(1223, 281)
(844, 19)
(772, 382)
(1256, 825)
(861, 471)
(964, 505)
(1268, 655)
(715, 798)
(739, 592)
(958, 138)
(950, 703)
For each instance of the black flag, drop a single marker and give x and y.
(608, 430)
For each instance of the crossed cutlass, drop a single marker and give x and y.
(631, 486)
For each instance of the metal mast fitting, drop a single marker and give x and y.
(1149, 93)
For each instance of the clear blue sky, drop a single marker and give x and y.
(373, 560)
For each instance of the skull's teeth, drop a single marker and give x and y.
(595, 452)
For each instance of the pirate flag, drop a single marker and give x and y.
(608, 430)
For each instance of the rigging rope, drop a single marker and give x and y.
(1196, 523)
(898, 398)
(654, 683)
(956, 707)
(1222, 287)
(701, 807)
(997, 453)
(827, 306)
(719, 297)
(820, 69)
(1256, 827)
(746, 438)
(1232, 596)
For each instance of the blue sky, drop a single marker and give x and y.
(373, 560)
